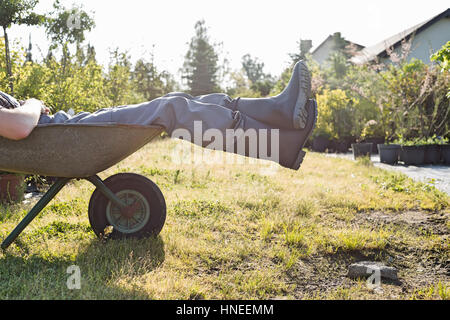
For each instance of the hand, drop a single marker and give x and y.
(45, 110)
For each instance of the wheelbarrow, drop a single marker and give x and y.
(131, 204)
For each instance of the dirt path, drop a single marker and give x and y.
(439, 176)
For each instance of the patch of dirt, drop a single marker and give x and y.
(435, 223)
(417, 267)
(319, 276)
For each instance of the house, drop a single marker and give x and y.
(323, 51)
(426, 38)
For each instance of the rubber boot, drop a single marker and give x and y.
(283, 146)
(286, 110)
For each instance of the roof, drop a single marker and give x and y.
(379, 49)
(330, 37)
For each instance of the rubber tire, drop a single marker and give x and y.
(128, 181)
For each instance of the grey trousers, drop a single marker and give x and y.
(214, 111)
(173, 111)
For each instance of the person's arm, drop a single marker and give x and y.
(17, 124)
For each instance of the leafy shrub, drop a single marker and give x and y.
(442, 57)
(335, 118)
(78, 82)
(372, 129)
(415, 99)
(421, 141)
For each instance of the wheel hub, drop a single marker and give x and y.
(129, 211)
(133, 217)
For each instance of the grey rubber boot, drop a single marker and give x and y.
(290, 144)
(286, 110)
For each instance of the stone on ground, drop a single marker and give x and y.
(364, 269)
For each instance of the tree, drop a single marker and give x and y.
(338, 60)
(149, 82)
(118, 79)
(200, 67)
(29, 57)
(338, 66)
(64, 27)
(339, 43)
(253, 68)
(67, 26)
(16, 12)
(261, 82)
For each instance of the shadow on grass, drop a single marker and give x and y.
(105, 268)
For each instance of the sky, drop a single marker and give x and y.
(268, 30)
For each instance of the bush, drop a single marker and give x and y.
(372, 129)
(335, 114)
(78, 82)
(415, 99)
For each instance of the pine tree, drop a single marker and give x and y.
(201, 68)
(338, 59)
(149, 82)
(29, 56)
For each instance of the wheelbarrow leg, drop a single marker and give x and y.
(51, 193)
(96, 181)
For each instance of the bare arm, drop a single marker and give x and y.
(17, 124)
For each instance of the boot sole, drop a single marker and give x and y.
(303, 96)
(301, 155)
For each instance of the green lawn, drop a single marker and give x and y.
(240, 231)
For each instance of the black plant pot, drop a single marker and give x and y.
(375, 142)
(361, 149)
(320, 144)
(389, 153)
(445, 149)
(432, 154)
(413, 155)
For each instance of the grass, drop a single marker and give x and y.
(241, 231)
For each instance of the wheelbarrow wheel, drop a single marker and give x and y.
(148, 212)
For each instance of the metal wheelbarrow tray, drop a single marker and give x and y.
(132, 204)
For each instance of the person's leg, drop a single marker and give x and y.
(286, 110)
(177, 112)
(291, 141)
(220, 99)
(177, 115)
(178, 94)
